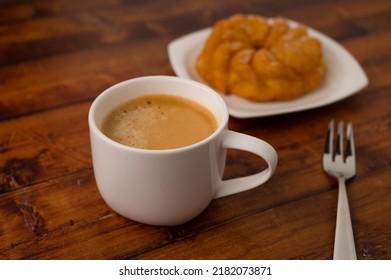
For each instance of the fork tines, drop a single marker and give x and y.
(339, 150)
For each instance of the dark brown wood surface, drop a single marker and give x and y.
(57, 56)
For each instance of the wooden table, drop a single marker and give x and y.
(57, 56)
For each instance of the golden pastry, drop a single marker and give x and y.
(249, 57)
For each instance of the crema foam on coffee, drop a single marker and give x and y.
(158, 122)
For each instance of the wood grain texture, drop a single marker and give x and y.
(57, 56)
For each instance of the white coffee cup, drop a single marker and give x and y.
(169, 187)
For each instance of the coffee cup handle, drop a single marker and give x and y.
(239, 141)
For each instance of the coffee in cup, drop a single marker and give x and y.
(158, 122)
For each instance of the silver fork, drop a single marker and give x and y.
(342, 169)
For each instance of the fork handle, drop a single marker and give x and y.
(344, 248)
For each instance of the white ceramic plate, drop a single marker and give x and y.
(344, 76)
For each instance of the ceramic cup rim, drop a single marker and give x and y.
(222, 119)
